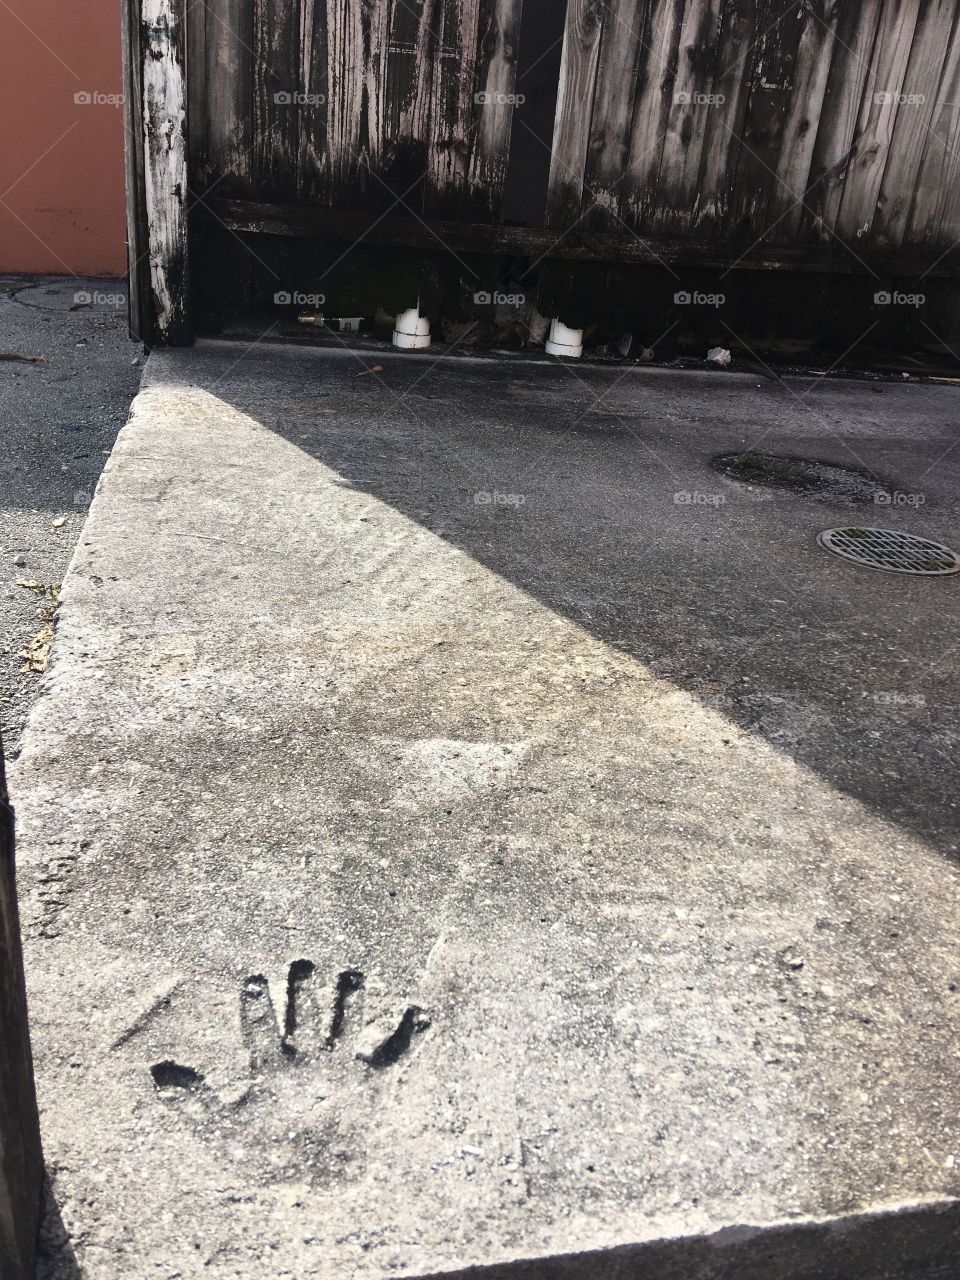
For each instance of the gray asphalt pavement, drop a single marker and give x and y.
(58, 421)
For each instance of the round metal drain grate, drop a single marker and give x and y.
(891, 550)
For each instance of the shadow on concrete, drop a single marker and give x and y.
(915, 1242)
(724, 592)
(56, 1259)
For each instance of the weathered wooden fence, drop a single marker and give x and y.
(20, 1156)
(824, 135)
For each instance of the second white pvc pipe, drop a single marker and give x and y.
(564, 341)
(411, 331)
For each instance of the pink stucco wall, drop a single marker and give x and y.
(61, 155)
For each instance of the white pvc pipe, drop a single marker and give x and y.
(411, 331)
(564, 341)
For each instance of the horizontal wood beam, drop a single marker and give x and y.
(315, 222)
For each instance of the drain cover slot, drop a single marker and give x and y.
(891, 550)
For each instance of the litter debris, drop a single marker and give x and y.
(536, 327)
(36, 654)
(362, 373)
(336, 324)
(16, 355)
(60, 522)
(719, 356)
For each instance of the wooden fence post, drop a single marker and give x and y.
(155, 91)
(21, 1161)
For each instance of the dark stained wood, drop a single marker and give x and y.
(935, 212)
(139, 311)
(276, 95)
(571, 136)
(723, 126)
(21, 1160)
(624, 52)
(693, 90)
(220, 96)
(757, 182)
(850, 71)
(313, 222)
(163, 76)
(652, 104)
(485, 127)
(740, 132)
(920, 89)
(815, 48)
(411, 68)
(344, 127)
(878, 114)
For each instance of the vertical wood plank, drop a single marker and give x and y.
(623, 52)
(21, 1161)
(276, 96)
(723, 126)
(163, 48)
(415, 27)
(357, 60)
(877, 118)
(771, 90)
(220, 96)
(313, 176)
(453, 107)
(836, 133)
(815, 50)
(651, 110)
(571, 136)
(935, 214)
(693, 89)
(919, 91)
(139, 312)
(495, 43)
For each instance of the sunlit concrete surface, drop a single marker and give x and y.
(442, 845)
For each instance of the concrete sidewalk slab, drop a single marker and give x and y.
(443, 846)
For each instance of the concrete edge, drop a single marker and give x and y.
(917, 1241)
